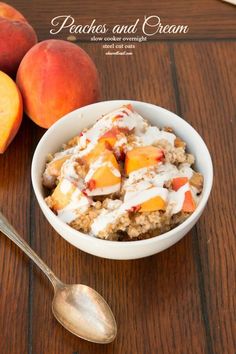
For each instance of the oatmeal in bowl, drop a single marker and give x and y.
(123, 179)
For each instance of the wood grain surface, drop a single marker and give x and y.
(208, 68)
(205, 18)
(182, 300)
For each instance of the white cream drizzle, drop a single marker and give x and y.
(87, 150)
(159, 174)
(103, 190)
(68, 170)
(138, 187)
(167, 171)
(131, 120)
(153, 134)
(108, 217)
(145, 184)
(63, 153)
(135, 198)
(176, 199)
(83, 141)
(65, 186)
(78, 202)
(100, 162)
(127, 119)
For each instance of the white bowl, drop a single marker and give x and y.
(72, 124)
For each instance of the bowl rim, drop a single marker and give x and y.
(115, 243)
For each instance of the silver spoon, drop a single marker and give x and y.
(79, 308)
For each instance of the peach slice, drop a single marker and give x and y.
(53, 171)
(54, 167)
(156, 203)
(141, 157)
(11, 110)
(189, 204)
(104, 176)
(98, 150)
(61, 195)
(110, 137)
(178, 182)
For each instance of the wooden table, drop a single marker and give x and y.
(181, 300)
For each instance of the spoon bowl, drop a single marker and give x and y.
(85, 313)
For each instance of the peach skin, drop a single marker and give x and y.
(10, 12)
(61, 71)
(16, 38)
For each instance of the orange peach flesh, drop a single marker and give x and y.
(189, 204)
(141, 157)
(156, 203)
(60, 199)
(11, 110)
(103, 176)
(55, 166)
(99, 149)
(110, 137)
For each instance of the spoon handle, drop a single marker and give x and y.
(7, 229)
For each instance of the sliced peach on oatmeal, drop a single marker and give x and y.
(54, 167)
(98, 149)
(141, 157)
(179, 182)
(110, 137)
(156, 203)
(62, 194)
(103, 177)
(53, 171)
(189, 204)
(106, 175)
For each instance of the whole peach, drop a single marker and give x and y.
(16, 38)
(56, 77)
